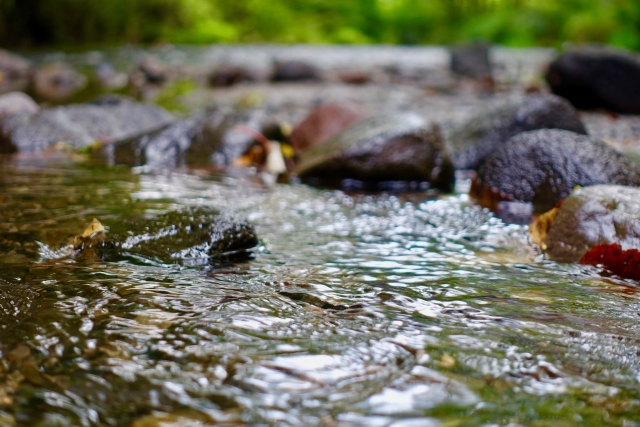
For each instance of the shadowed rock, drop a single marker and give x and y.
(473, 142)
(80, 125)
(191, 235)
(598, 225)
(387, 148)
(294, 71)
(597, 77)
(543, 166)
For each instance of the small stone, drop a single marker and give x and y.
(57, 82)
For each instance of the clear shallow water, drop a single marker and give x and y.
(360, 310)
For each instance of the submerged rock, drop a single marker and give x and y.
(481, 136)
(597, 77)
(598, 225)
(387, 148)
(15, 72)
(543, 166)
(57, 82)
(192, 235)
(80, 125)
(322, 123)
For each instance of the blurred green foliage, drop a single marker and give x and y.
(507, 22)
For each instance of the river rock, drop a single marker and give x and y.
(400, 147)
(472, 61)
(17, 102)
(229, 75)
(322, 123)
(597, 77)
(543, 166)
(15, 72)
(57, 82)
(78, 126)
(482, 135)
(190, 236)
(598, 225)
(294, 71)
(109, 78)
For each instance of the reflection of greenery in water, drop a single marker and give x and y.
(363, 306)
(510, 22)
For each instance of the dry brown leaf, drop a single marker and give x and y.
(540, 227)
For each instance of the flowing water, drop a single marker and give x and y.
(412, 309)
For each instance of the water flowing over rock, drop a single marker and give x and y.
(597, 77)
(322, 123)
(598, 225)
(78, 126)
(398, 147)
(473, 142)
(543, 166)
(191, 235)
(15, 72)
(57, 82)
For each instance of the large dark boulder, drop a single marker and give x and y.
(597, 77)
(400, 147)
(543, 166)
(598, 225)
(191, 235)
(482, 135)
(78, 126)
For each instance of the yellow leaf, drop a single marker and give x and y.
(94, 227)
(540, 227)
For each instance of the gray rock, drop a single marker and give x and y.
(57, 82)
(15, 71)
(17, 102)
(597, 77)
(397, 147)
(190, 236)
(294, 71)
(471, 60)
(80, 125)
(591, 216)
(473, 142)
(543, 166)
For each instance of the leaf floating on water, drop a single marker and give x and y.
(539, 229)
(94, 227)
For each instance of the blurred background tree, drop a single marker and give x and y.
(34, 23)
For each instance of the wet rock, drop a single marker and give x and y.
(543, 166)
(322, 123)
(57, 82)
(397, 147)
(215, 138)
(294, 71)
(109, 78)
(16, 103)
(15, 72)
(80, 125)
(597, 77)
(472, 61)
(229, 75)
(192, 236)
(153, 70)
(473, 142)
(598, 225)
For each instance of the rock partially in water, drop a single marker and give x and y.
(481, 136)
(543, 166)
(57, 82)
(192, 236)
(598, 225)
(399, 147)
(228, 75)
(15, 72)
(78, 126)
(294, 71)
(17, 102)
(597, 77)
(472, 61)
(322, 123)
